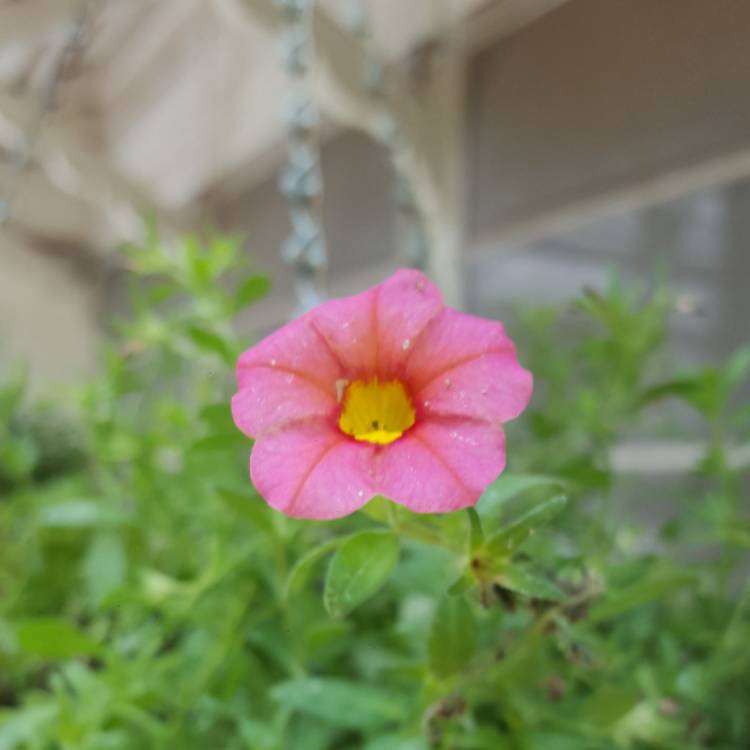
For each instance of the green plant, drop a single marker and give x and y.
(150, 599)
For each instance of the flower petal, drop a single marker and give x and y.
(272, 398)
(406, 303)
(311, 470)
(467, 366)
(373, 332)
(289, 375)
(440, 466)
(347, 327)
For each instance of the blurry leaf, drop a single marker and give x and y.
(24, 725)
(359, 568)
(637, 594)
(476, 533)
(465, 583)
(213, 343)
(395, 742)
(506, 541)
(522, 582)
(685, 388)
(11, 394)
(378, 509)
(79, 514)
(736, 368)
(249, 506)
(453, 637)
(219, 443)
(218, 417)
(104, 566)
(609, 704)
(251, 290)
(301, 570)
(340, 702)
(18, 456)
(54, 639)
(508, 486)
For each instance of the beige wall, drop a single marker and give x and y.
(599, 96)
(48, 314)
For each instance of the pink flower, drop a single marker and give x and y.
(387, 392)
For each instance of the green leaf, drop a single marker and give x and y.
(610, 703)
(453, 637)
(358, 570)
(506, 541)
(737, 368)
(104, 566)
(639, 593)
(212, 343)
(342, 703)
(248, 506)
(522, 582)
(23, 725)
(50, 638)
(79, 514)
(251, 290)
(509, 486)
(304, 566)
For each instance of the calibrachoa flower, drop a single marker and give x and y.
(387, 392)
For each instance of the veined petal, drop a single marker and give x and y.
(311, 470)
(373, 333)
(272, 398)
(440, 466)
(287, 376)
(464, 365)
(406, 303)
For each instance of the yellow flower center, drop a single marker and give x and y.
(376, 412)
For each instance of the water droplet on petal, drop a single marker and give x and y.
(426, 404)
(406, 344)
(448, 382)
(273, 363)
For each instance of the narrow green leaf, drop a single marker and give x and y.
(79, 514)
(340, 702)
(251, 290)
(506, 541)
(463, 584)
(639, 593)
(509, 486)
(453, 637)
(212, 343)
(304, 566)
(248, 506)
(23, 725)
(358, 570)
(104, 566)
(737, 367)
(522, 582)
(476, 535)
(54, 639)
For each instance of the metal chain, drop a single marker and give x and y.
(412, 236)
(301, 180)
(24, 155)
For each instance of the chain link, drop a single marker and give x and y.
(301, 179)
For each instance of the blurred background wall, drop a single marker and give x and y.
(545, 140)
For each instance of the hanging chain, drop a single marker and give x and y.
(411, 234)
(301, 180)
(24, 154)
